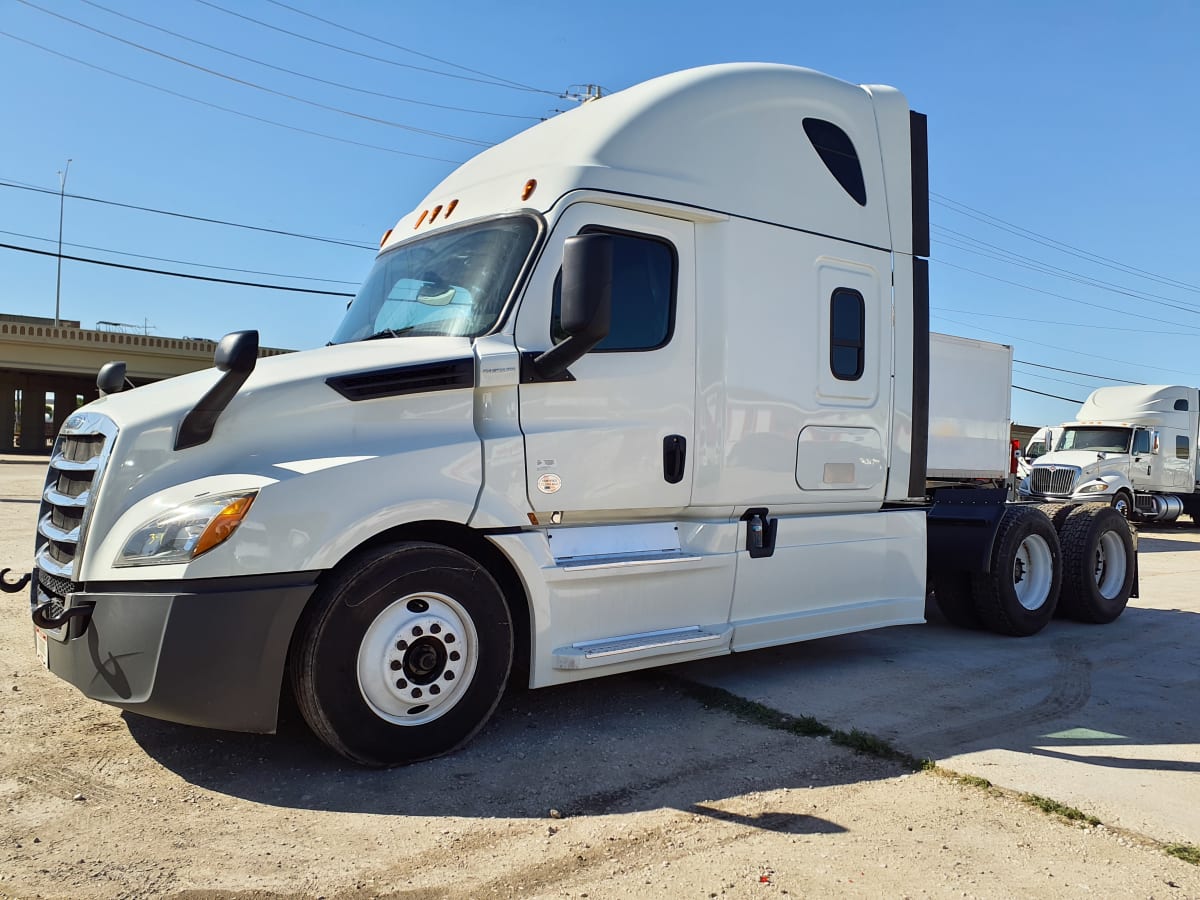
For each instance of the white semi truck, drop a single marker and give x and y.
(1131, 446)
(646, 383)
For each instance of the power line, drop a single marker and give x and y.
(1034, 236)
(113, 265)
(1066, 274)
(259, 87)
(1044, 394)
(379, 40)
(971, 312)
(1090, 305)
(1052, 378)
(182, 262)
(179, 215)
(390, 62)
(1059, 348)
(338, 84)
(1074, 372)
(236, 112)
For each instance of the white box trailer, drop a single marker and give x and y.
(646, 383)
(970, 390)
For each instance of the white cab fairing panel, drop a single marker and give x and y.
(663, 587)
(831, 575)
(763, 377)
(596, 443)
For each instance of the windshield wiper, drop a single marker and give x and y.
(389, 333)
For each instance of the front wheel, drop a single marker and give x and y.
(403, 654)
(1122, 502)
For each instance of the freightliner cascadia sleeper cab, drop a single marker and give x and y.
(643, 384)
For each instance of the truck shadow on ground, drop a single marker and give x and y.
(1105, 696)
(620, 744)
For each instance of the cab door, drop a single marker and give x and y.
(616, 435)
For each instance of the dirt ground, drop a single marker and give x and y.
(623, 787)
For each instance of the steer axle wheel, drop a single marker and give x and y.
(402, 654)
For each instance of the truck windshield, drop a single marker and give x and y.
(1106, 440)
(452, 283)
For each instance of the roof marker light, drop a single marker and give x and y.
(530, 187)
(450, 209)
(383, 240)
(421, 219)
(437, 210)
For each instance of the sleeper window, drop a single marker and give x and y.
(847, 334)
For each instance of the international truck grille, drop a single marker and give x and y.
(76, 468)
(1053, 480)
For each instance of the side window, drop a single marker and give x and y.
(1181, 405)
(1182, 447)
(847, 334)
(643, 295)
(841, 159)
(1141, 443)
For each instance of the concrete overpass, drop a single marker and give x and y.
(48, 369)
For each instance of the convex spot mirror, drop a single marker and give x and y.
(237, 352)
(111, 378)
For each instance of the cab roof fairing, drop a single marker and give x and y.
(728, 138)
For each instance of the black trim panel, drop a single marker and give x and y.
(919, 450)
(447, 375)
(918, 138)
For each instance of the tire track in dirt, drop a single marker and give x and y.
(1070, 689)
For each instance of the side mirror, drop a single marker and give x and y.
(586, 314)
(111, 378)
(237, 352)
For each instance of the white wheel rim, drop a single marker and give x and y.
(1033, 572)
(417, 658)
(1110, 565)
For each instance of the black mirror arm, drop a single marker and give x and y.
(235, 356)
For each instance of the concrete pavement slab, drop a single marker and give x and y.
(1103, 718)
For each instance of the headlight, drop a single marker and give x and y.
(185, 532)
(1094, 488)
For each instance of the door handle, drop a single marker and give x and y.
(674, 458)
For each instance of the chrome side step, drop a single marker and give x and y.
(611, 651)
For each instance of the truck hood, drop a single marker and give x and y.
(1085, 460)
(287, 421)
(158, 402)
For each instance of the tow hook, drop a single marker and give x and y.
(11, 587)
(42, 618)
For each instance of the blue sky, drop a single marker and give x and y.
(1063, 140)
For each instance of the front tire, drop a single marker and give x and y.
(402, 654)
(1019, 595)
(1122, 502)
(1098, 564)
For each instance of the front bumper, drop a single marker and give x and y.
(208, 653)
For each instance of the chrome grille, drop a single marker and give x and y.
(76, 467)
(1053, 480)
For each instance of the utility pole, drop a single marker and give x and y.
(62, 193)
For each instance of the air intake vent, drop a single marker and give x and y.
(418, 379)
